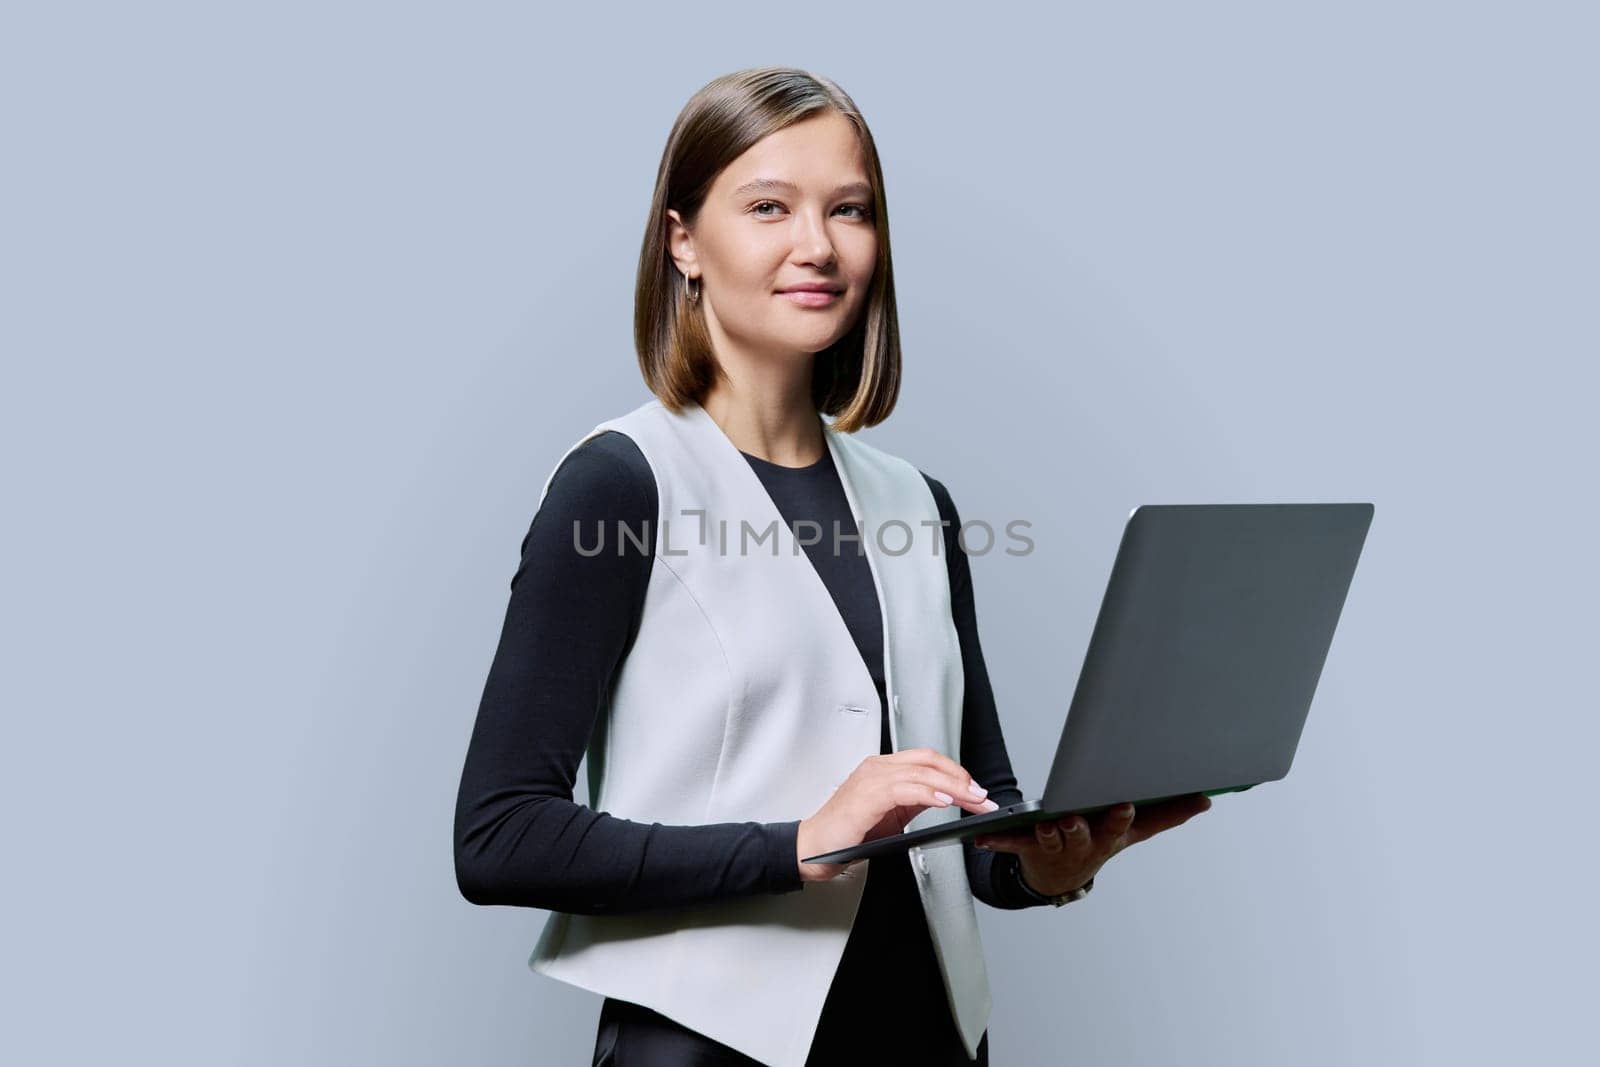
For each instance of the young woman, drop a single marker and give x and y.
(749, 694)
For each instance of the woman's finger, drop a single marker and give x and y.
(1009, 840)
(1153, 819)
(1075, 834)
(1005, 842)
(1114, 822)
(1111, 829)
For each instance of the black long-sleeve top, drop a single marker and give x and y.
(521, 839)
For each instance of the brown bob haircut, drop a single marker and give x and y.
(857, 379)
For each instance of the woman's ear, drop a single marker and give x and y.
(680, 244)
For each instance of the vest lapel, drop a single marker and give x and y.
(755, 504)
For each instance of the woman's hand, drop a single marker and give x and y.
(881, 795)
(1060, 855)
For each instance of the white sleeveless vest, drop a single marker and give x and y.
(744, 698)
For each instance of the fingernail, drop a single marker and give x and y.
(944, 798)
(978, 790)
(989, 805)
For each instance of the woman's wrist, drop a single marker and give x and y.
(807, 872)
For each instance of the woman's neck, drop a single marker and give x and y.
(781, 428)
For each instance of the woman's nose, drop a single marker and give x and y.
(811, 242)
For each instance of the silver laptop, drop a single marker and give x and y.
(1201, 668)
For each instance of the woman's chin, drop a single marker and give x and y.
(812, 341)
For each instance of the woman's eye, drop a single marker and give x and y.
(864, 211)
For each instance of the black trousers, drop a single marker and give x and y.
(631, 1035)
(887, 1003)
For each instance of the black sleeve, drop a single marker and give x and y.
(995, 877)
(520, 838)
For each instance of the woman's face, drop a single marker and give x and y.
(794, 209)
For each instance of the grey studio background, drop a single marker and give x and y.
(304, 301)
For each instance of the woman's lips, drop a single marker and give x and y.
(809, 298)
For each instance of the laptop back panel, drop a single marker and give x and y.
(1209, 644)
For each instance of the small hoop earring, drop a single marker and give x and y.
(693, 287)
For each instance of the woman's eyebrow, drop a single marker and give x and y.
(762, 185)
